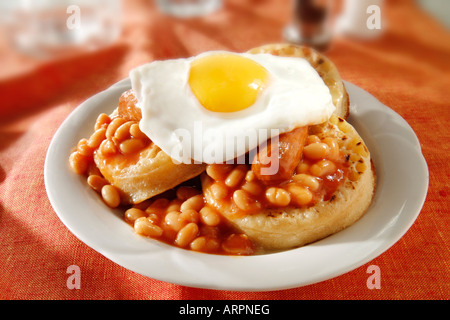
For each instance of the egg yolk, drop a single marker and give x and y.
(226, 82)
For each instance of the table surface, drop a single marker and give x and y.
(407, 68)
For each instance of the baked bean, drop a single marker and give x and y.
(302, 167)
(250, 176)
(145, 227)
(136, 132)
(132, 214)
(198, 244)
(78, 162)
(204, 244)
(169, 234)
(84, 149)
(213, 171)
(96, 182)
(189, 216)
(312, 139)
(209, 216)
(323, 168)
(196, 203)
(112, 127)
(154, 218)
(123, 132)
(184, 192)
(317, 150)
(278, 196)
(131, 145)
(334, 148)
(96, 138)
(174, 205)
(93, 169)
(253, 188)
(108, 148)
(186, 234)
(172, 220)
(218, 171)
(307, 180)
(244, 202)
(102, 121)
(110, 196)
(235, 177)
(219, 190)
(299, 195)
(237, 244)
(205, 180)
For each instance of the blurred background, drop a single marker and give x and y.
(440, 9)
(59, 42)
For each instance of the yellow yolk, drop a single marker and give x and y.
(226, 82)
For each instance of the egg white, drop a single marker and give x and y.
(174, 119)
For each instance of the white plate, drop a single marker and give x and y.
(402, 187)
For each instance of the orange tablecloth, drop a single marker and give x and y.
(407, 69)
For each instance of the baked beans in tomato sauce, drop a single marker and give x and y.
(180, 217)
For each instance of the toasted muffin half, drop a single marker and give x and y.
(293, 225)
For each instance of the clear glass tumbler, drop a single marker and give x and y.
(312, 23)
(45, 28)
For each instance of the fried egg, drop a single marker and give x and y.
(218, 106)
